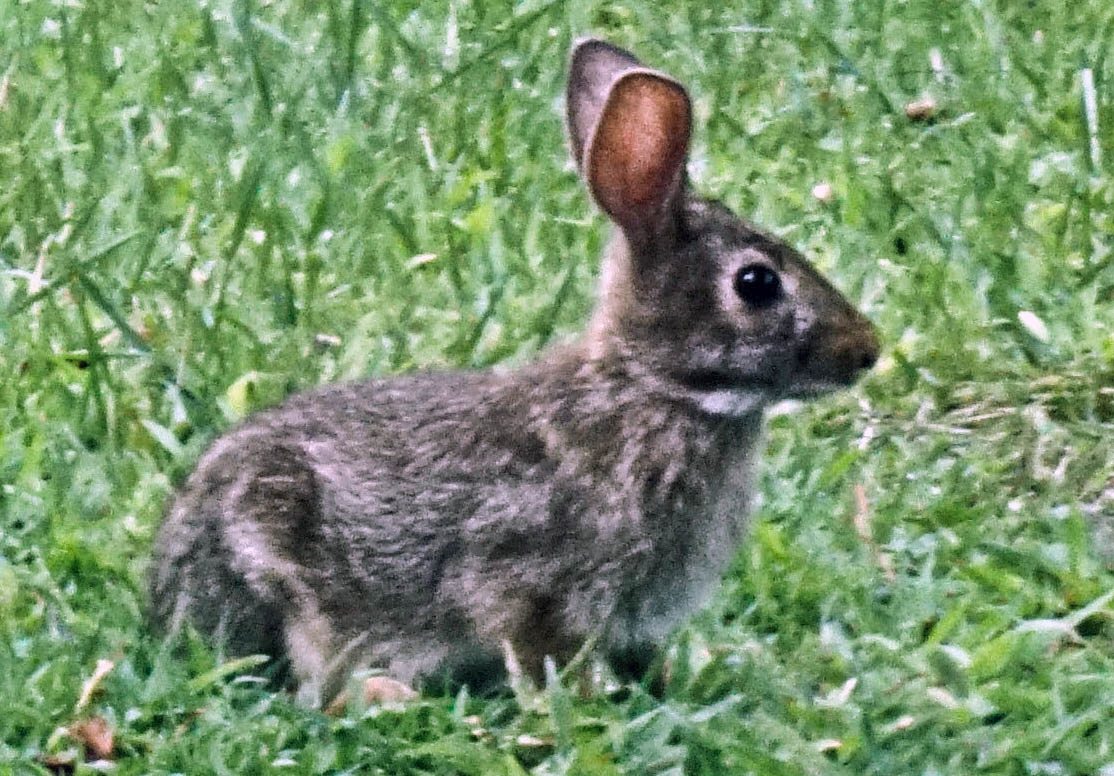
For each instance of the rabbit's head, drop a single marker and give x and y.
(698, 299)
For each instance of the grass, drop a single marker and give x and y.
(205, 207)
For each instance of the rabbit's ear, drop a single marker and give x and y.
(593, 67)
(630, 129)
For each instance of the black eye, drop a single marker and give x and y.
(758, 285)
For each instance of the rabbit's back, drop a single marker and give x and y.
(343, 499)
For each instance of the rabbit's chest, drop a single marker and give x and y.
(705, 526)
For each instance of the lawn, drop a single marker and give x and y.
(204, 207)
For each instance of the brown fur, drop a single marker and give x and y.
(423, 522)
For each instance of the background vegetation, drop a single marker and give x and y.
(206, 206)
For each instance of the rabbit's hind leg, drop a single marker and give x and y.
(272, 512)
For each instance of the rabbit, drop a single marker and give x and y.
(438, 522)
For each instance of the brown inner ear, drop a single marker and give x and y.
(637, 155)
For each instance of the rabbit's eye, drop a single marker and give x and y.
(758, 285)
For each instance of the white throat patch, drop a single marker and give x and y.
(726, 401)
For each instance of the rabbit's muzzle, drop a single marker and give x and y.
(834, 358)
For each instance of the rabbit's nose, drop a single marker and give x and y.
(856, 349)
(869, 355)
(864, 348)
